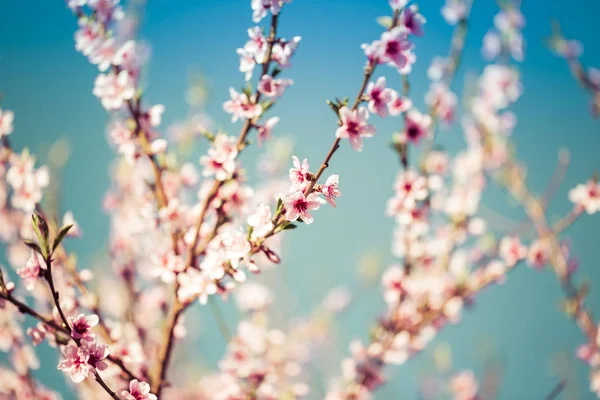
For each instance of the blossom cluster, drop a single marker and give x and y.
(590, 353)
(187, 231)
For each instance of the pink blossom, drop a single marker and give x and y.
(172, 215)
(6, 122)
(399, 104)
(68, 219)
(398, 4)
(194, 283)
(114, 89)
(128, 58)
(417, 126)
(379, 97)
(103, 54)
(37, 333)
(412, 20)
(167, 266)
(75, 362)
(272, 87)
(436, 162)
(438, 69)
(595, 382)
(354, 126)
(220, 160)
(97, 355)
(410, 187)
(586, 196)
(260, 222)
(152, 118)
(500, 86)
(300, 176)
(330, 189)
(264, 131)
(511, 250)
(394, 47)
(106, 10)
(240, 106)
(23, 359)
(138, 391)
(539, 253)
(230, 245)
(442, 101)
(31, 271)
(235, 197)
(298, 206)
(256, 47)
(392, 282)
(253, 297)
(30, 193)
(454, 10)
(464, 386)
(88, 37)
(283, 51)
(22, 167)
(261, 7)
(189, 174)
(81, 326)
(247, 63)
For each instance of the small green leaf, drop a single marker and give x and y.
(276, 71)
(33, 246)
(266, 105)
(61, 235)
(289, 226)
(385, 21)
(334, 107)
(248, 90)
(279, 205)
(38, 224)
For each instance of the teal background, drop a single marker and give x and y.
(49, 87)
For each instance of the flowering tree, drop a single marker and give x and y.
(184, 233)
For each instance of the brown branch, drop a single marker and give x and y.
(165, 352)
(55, 296)
(558, 389)
(25, 309)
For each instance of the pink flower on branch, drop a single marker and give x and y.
(138, 391)
(6, 122)
(300, 176)
(586, 197)
(114, 89)
(260, 222)
(354, 126)
(75, 362)
(418, 126)
(81, 326)
(220, 161)
(330, 189)
(272, 87)
(412, 20)
(32, 271)
(241, 106)
(379, 97)
(297, 205)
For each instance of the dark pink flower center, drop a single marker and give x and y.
(301, 205)
(392, 47)
(80, 327)
(413, 131)
(352, 127)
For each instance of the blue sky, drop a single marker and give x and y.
(49, 86)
